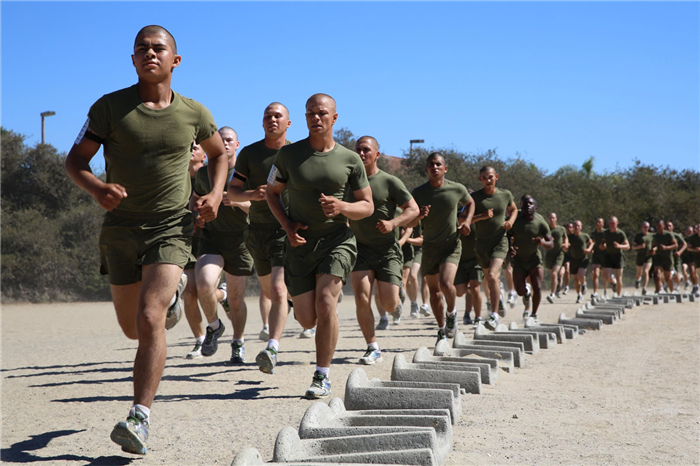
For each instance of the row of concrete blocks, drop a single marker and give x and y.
(374, 426)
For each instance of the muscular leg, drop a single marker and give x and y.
(447, 279)
(264, 300)
(536, 278)
(126, 304)
(595, 274)
(475, 293)
(554, 272)
(618, 276)
(412, 282)
(508, 273)
(362, 282)
(327, 291)
(436, 298)
(207, 273)
(236, 301)
(424, 292)
(388, 295)
(279, 310)
(493, 278)
(192, 312)
(580, 279)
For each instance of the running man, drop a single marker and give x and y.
(147, 132)
(222, 248)
(320, 249)
(687, 257)
(379, 257)
(566, 272)
(614, 242)
(580, 246)
(554, 259)
(530, 231)
(642, 243)
(416, 284)
(492, 206)
(694, 247)
(664, 245)
(677, 262)
(469, 274)
(597, 257)
(266, 236)
(439, 200)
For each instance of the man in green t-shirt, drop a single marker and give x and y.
(694, 247)
(469, 274)
(416, 284)
(494, 214)
(222, 248)
(265, 240)
(320, 249)
(379, 257)
(439, 200)
(554, 258)
(530, 231)
(614, 242)
(664, 245)
(147, 132)
(580, 245)
(597, 257)
(677, 262)
(642, 243)
(687, 257)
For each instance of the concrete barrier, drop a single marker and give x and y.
(510, 354)
(607, 319)
(423, 355)
(337, 405)
(407, 448)
(546, 339)
(362, 393)
(468, 378)
(530, 343)
(563, 332)
(587, 323)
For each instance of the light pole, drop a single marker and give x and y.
(44, 115)
(414, 141)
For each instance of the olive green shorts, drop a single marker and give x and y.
(332, 252)
(230, 246)
(665, 263)
(677, 264)
(195, 247)
(417, 254)
(485, 251)
(385, 261)
(408, 256)
(436, 255)
(614, 262)
(552, 260)
(468, 270)
(527, 265)
(266, 245)
(577, 264)
(641, 260)
(597, 258)
(130, 241)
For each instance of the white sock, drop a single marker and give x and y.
(215, 325)
(172, 301)
(144, 410)
(323, 370)
(373, 346)
(442, 329)
(453, 313)
(199, 340)
(273, 344)
(236, 340)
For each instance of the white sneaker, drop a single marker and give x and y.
(425, 310)
(178, 307)
(414, 310)
(478, 323)
(371, 357)
(492, 323)
(396, 315)
(550, 299)
(526, 315)
(512, 296)
(307, 333)
(264, 333)
(196, 351)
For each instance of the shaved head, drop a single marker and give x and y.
(153, 30)
(226, 129)
(285, 110)
(325, 98)
(369, 139)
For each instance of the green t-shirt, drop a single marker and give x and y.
(522, 233)
(491, 230)
(308, 174)
(694, 242)
(148, 151)
(254, 163)
(666, 239)
(577, 245)
(610, 237)
(597, 237)
(468, 247)
(558, 234)
(388, 192)
(440, 226)
(679, 239)
(229, 219)
(417, 231)
(648, 242)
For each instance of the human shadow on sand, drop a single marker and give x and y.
(21, 452)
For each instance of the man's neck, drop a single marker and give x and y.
(490, 189)
(232, 161)
(156, 96)
(275, 142)
(321, 143)
(372, 169)
(437, 182)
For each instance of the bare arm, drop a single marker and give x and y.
(273, 194)
(405, 236)
(361, 208)
(513, 212)
(410, 211)
(466, 216)
(547, 242)
(208, 205)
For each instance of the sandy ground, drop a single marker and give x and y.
(629, 394)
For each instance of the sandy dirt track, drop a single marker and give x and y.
(629, 394)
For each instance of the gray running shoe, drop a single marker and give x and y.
(266, 360)
(196, 351)
(467, 319)
(402, 295)
(512, 295)
(211, 344)
(636, 284)
(224, 301)
(425, 310)
(451, 325)
(371, 357)
(264, 333)
(132, 433)
(308, 333)
(414, 310)
(583, 288)
(175, 311)
(320, 387)
(492, 323)
(396, 315)
(237, 353)
(383, 324)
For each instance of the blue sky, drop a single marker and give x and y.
(556, 82)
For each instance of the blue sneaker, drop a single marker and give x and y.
(211, 344)
(266, 360)
(320, 387)
(132, 433)
(372, 356)
(237, 353)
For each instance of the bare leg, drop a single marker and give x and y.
(475, 292)
(436, 298)
(493, 278)
(207, 273)
(192, 312)
(279, 310)
(447, 279)
(536, 278)
(236, 301)
(362, 282)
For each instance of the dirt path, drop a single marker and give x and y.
(629, 394)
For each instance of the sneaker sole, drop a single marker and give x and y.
(490, 326)
(309, 395)
(371, 363)
(129, 441)
(190, 356)
(265, 363)
(550, 300)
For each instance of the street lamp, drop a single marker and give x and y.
(44, 115)
(414, 141)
